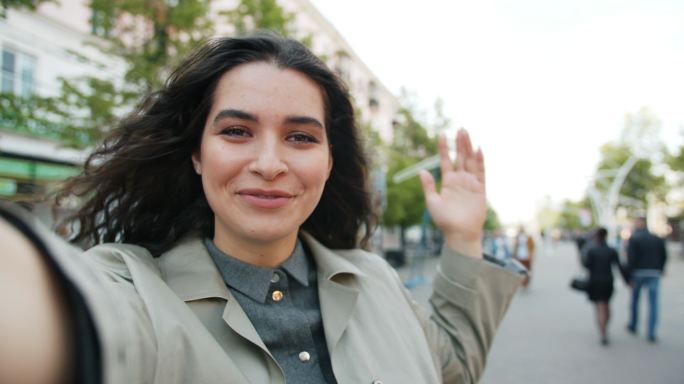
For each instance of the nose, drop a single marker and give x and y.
(268, 161)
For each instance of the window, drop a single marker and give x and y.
(373, 98)
(101, 23)
(18, 73)
(343, 65)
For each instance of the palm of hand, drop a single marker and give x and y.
(459, 209)
(460, 205)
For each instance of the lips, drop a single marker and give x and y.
(268, 199)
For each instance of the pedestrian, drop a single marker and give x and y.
(646, 258)
(227, 213)
(523, 251)
(499, 246)
(599, 260)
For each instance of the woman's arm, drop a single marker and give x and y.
(33, 326)
(470, 295)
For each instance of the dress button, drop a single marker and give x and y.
(275, 278)
(304, 356)
(277, 296)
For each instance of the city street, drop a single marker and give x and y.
(549, 334)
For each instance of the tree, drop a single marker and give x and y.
(571, 214)
(492, 221)
(676, 161)
(640, 181)
(252, 15)
(632, 157)
(5, 5)
(411, 143)
(147, 37)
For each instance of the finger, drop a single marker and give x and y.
(428, 183)
(479, 165)
(464, 149)
(445, 163)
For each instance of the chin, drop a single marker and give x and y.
(269, 235)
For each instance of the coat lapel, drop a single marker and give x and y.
(337, 289)
(191, 273)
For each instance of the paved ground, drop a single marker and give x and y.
(549, 334)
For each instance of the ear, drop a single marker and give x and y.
(196, 164)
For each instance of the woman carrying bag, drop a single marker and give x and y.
(599, 261)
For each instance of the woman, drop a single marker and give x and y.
(231, 205)
(523, 252)
(599, 261)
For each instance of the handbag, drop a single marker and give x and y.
(580, 283)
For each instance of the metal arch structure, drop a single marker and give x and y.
(605, 205)
(427, 164)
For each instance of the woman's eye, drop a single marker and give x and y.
(235, 131)
(302, 138)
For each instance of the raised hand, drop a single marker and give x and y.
(460, 207)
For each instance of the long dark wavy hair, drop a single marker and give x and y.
(139, 185)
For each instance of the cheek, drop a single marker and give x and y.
(217, 171)
(315, 172)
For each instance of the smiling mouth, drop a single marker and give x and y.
(266, 199)
(263, 194)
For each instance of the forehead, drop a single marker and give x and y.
(263, 87)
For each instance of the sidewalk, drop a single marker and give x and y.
(549, 333)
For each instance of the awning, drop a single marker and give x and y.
(31, 170)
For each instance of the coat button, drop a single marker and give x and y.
(275, 278)
(277, 295)
(304, 356)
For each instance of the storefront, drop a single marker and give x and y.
(32, 167)
(25, 178)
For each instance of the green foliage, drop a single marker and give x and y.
(640, 137)
(569, 215)
(31, 115)
(151, 37)
(411, 144)
(252, 15)
(405, 201)
(148, 37)
(676, 161)
(640, 182)
(5, 5)
(492, 220)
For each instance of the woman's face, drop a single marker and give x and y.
(264, 156)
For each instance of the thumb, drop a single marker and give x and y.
(428, 183)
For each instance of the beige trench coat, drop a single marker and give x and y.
(172, 320)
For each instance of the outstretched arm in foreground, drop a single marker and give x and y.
(33, 325)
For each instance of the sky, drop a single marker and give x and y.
(539, 84)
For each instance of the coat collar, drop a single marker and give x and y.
(329, 264)
(190, 272)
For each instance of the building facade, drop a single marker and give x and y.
(38, 48)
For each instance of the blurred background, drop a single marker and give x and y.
(578, 106)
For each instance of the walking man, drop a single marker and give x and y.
(646, 257)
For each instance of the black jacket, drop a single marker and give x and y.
(646, 251)
(599, 260)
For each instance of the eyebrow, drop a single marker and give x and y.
(235, 113)
(242, 115)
